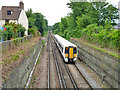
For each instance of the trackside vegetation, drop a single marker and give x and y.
(37, 23)
(91, 21)
(12, 31)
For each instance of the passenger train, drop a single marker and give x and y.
(67, 49)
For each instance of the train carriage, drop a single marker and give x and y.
(68, 50)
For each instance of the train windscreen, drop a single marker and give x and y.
(66, 50)
(75, 50)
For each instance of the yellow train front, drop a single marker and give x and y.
(70, 54)
(68, 50)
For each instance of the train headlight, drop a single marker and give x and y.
(66, 55)
(75, 55)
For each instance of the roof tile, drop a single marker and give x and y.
(14, 16)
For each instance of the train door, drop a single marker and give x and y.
(71, 54)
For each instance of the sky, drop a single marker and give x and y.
(53, 10)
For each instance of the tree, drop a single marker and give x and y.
(105, 11)
(37, 21)
(54, 27)
(31, 22)
(29, 13)
(63, 24)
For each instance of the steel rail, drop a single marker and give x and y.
(60, 75)
(70, 75)
(71, 78)
(48, 50)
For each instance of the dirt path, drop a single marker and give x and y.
(39, 79)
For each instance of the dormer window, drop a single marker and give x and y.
(9, 12)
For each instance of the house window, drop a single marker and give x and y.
(9, 12)
(7, 20)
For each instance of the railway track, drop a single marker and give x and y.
(64, 76)
(59, 71)
(61, 76)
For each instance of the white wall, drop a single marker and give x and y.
(2, 22)
(23, 21)
(13, 21)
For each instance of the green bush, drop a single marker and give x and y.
(21, 30)
(11, 31)
(1, 34)
(32, 31)
(105, 36)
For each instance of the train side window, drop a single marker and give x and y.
(66, 50)
(75, 50)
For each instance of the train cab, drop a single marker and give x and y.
(70, 53)
(67, 49)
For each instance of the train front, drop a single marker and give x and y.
(71, 54)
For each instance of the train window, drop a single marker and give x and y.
(75, 50)
(62, 49)
(66, 50)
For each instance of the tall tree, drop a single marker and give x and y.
(37, 21)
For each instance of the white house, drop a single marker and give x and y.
(14, 14)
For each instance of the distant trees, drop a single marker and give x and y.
(92, 21)
(37, 21)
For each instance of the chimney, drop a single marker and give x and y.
(21, 4)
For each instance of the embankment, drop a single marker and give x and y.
(104, 64)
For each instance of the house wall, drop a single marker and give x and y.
(23, 21)
(0, 18)
(2, 22)
(13, 21)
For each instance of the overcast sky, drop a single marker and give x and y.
(53, 10)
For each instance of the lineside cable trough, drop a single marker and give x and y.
(31, 73)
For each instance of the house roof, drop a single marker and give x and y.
(16, 10)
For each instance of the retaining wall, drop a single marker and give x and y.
(11, 44)
(105, 65)
(20, 75)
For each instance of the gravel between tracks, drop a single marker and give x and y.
(81, 83)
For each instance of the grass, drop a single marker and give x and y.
(43, 43)
(38, 61)
(103, 50)
(21, 52)
(45, 34)
(1, 62)
(15, 57)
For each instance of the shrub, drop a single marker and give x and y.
(105, 36)
(32, 31)
(21, 30)
(1, 34)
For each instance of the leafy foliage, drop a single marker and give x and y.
(32, 31)
(37, 21)
(92, 21)
(11, 31)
